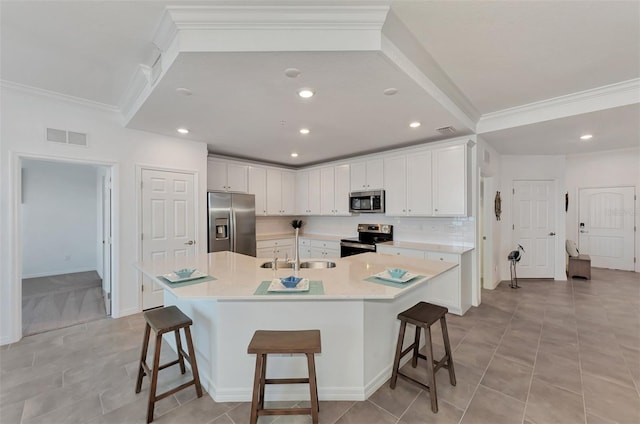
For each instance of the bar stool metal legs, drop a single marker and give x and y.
(265, 342)
(166, 320)
(423, 315)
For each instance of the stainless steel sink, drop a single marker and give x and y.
(307, 264)
(317, 264)
(281, 264)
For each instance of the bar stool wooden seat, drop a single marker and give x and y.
(423, 315)
(165, 320)
(265, 342)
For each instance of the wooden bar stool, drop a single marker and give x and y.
(423, 315)
(165, 320)
(265, 342)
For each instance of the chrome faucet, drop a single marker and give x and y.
(275, 263)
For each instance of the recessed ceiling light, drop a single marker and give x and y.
(415, 124)
(183, 131)
(294, 155)
(586, 137)
(184, 91)
(304, 131)
(390, 91)
(292, 72)
(305, 93)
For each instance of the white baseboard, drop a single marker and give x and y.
(54, 273)
(6, 340)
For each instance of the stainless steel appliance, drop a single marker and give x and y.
(368, 236)
(366, 201)
(232, 222)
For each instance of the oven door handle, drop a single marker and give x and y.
(371, 247)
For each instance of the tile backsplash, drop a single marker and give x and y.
(449, 231)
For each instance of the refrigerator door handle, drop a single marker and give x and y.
(234, 235)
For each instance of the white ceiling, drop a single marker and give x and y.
(499, 55)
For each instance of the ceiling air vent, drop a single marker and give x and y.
(66, 137)
(446, 130)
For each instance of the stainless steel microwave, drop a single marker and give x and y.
(366, 201)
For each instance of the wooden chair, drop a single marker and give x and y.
(165, 320)
(265, 342)
(423, 315)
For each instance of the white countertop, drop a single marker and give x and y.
(238, 276)
(428, 247)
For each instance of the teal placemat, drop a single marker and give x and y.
(188, 283)
(392, 284)
(315, 287)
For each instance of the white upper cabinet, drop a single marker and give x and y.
(226, 176)
(367, 175)
(451, 191)
(395, 182)
(428, 182)
(258, 187)
(334, 190)
(308, 192)
(280, 192)
(407, 179)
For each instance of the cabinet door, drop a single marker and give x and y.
(449, 181)
(396, 186)
(216, 175)
(419, 184)
(302, 193)
(327, 191)
(288, 193)
(375, 174)
(358, 176)
(258, 187)
(314, 192)
(341, 190)
(274, 192)
(237, 178)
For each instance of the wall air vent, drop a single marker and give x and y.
(446, 130)
(66, 137)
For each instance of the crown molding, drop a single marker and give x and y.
(58, 96)
(606, 97)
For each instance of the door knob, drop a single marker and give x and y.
(552, 233)
(583, 231)
(190, 242)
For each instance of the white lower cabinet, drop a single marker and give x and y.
(277, 248)
(325, 249)
(451, 289)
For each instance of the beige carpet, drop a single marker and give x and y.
(60, 301)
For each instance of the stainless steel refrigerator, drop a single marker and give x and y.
(232, 222)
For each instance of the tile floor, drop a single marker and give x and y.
(550, 352)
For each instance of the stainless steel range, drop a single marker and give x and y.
(368, 236)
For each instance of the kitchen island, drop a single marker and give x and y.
(357, 320)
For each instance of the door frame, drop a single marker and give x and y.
(196, 207)
(15, 233)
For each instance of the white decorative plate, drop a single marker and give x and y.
(277, 286)
(173, 278)
(384, 275)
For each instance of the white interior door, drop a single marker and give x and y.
(168, 223)
(606, 226)
(534, 227)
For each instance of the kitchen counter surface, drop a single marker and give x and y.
(238, 276)
(278, 236)
(430, 247)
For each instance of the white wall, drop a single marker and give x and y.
(602, 169)
(25, 115)
(489, 168)
(531, 168)
(59, 218)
